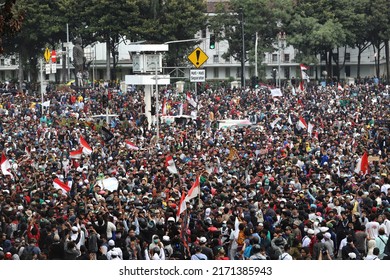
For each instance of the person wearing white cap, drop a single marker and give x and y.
(306, 240)
(114, 252)
(329, 244)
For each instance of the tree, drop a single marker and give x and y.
(10, 21)
(41, 28)
(265, 17)
(175, 20)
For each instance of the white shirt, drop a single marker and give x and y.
(285, 257)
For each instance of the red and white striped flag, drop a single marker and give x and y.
(5, 166)
(59, 185)
(86, 148)
(191, 100)
(195, 190)
(76, 154)
(362, 165)
(170, 164)
(131, 145)
(304, 75)
(302, 123)
(182, 206)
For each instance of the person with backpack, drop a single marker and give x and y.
(31, 251)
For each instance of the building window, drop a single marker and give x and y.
(287, 72)
(347, 57)
(348, 70)
(216, 72)
(216, 58)
(13, 61)
(286, 57)
(227, 72)
(323, 57)
(2, 62)
(274, 57)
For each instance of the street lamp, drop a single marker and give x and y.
(243, 50)
(281, 42)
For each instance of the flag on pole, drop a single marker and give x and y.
(182, 206)
(86, 148)
(310, 127)
(302, 123)
(59, 185)
(191, 100)
(6, 166)
(131, 145)
(195, 190)
(76, 154)
(362, 164)
(170, 164)
(304, 74)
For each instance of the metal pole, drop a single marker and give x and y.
(256, 44)
(157, 109)
(93, 68)
(280, 57)
(41, 77)
(243, 51)
(67, 50)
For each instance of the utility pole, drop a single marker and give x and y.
(243, 50)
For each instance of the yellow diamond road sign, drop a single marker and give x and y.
(198, 57)
(46, 55)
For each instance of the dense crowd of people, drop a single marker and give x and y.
(289, 182)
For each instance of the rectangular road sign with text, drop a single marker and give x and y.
(197, 75)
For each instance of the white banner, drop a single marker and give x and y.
(276, 92)
(110, 184)
(54, 68)
(48, 68)
(197, 75)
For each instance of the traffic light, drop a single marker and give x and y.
(212, 41)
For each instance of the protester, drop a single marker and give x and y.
(308, 172)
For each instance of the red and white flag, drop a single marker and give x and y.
(316, 134)
(164, 107)
(59, 185)
(362, 164)
(191, 100)
(301, 86)
(195, 190)
(5, 166)
(86, 148)
(170, 164)
(182, 206)
(310, 127)
(339, 87)
(130, 145)
(304, 74)
(302, 123)
(76, 154)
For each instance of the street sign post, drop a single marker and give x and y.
(197, 76)
(53, 56)
(198, 57)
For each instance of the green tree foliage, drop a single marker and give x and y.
(175, 20)
(10, 20)
(263, 16)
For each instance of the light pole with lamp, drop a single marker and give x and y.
(281, 41)
(243, 50)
